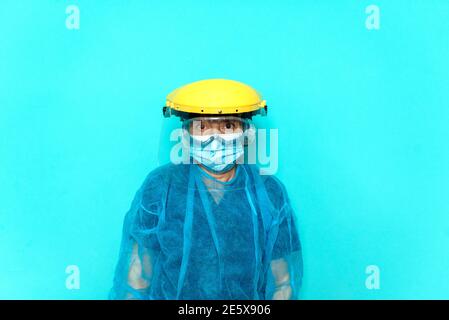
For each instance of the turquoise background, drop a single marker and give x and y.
(362, 116)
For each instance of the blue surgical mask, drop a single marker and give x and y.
(218, 153)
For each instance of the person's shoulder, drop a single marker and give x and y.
(157, 181)
(164, 173)
(157, 174)
(273, 185)
(271, 182)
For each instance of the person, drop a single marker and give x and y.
(215, 227)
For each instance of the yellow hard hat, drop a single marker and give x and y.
(214, 97)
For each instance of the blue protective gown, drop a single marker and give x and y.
(190, 236)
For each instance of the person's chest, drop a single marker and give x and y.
(228, 229)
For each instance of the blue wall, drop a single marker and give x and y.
(362, 115)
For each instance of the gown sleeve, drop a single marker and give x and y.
(139, 249)
(286, 266)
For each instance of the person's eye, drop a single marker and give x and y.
(229, 125)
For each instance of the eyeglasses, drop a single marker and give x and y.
(200, 126)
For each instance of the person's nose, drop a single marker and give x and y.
(214, 129)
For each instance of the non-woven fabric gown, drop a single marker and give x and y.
(188, 235)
